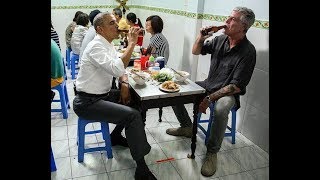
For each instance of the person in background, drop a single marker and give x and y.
(233, 58)
(158, 45)
(122, 22)
(96, 101)
(133, 21)
(91, 33)
(79, 32)
(54, 36)
(70, 28)
(57, 69)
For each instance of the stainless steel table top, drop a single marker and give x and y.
(150, 90)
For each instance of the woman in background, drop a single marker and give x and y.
(70, 29)
(54, 36)
(158, 45)
(79, 32)
(133, 21)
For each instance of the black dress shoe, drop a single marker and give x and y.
(52, 95)
(144, 175)
(119, 140)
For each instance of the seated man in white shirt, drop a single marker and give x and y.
(99, 63)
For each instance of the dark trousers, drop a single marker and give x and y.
(106, 108)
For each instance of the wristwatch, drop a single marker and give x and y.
(209, 99)
(126, 82)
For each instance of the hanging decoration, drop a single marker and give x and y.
(123, 5)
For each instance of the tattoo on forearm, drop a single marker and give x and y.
(227, 90)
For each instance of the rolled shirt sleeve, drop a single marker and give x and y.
(108, 61)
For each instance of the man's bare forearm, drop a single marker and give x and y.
(127, 54)
(197, 46)
(225, 91)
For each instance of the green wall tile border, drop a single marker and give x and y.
(83, 7)
(257, 23)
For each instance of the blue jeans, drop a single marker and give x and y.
(221, 110)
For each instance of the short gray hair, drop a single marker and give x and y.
(117, 11)
(247, 16)
(98, 20)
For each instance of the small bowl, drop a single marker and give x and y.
(184, 76)
(139, 80)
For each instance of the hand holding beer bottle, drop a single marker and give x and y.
(213, 29)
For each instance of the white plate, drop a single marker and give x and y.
(168, 90)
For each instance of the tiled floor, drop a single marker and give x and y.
(241, 161)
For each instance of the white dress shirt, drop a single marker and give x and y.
(99, 63)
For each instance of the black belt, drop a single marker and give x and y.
(91, 95)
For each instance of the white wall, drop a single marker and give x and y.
(181, 31)
(62, 13)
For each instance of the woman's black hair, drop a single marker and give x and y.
(83, 19)
(156, 23)
(93, 14)
(76, 15)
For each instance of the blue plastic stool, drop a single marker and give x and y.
(232, 129)
(81, 138)
(64, 99)
(52, 162)
(74, 62)
(68, 51)
(64, 69)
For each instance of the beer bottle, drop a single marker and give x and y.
(212, 29)
(125, 42)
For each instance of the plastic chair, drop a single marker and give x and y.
(81, 138)
(64, 99)
(232, 129)
(74, 61)
(68, 51)
(64, 69)
(52, 162)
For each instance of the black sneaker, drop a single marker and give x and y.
(119, 140)
(144, 175)
(52, 95)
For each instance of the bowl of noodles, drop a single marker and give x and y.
(181, 75)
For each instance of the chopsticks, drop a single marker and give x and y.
(177, 72)
(138, 75)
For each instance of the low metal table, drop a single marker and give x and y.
(150, 96)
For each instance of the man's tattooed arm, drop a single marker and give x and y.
(225, 91)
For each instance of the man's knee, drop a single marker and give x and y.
(134, 116)
(224, 105)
